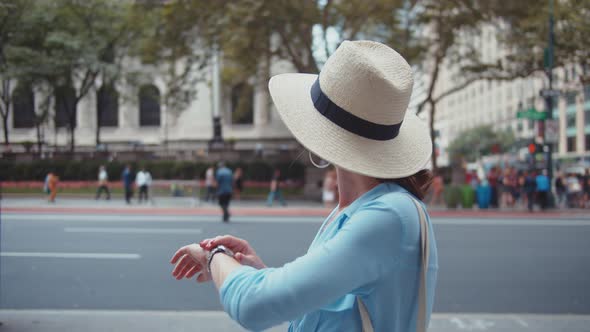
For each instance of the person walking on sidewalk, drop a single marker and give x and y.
(529, 186)
(224, 179)
(238, 183)
(543, 189)
(103, 183)
(127, 183)
(52, 182)
(560, 190)
(275, 189)
(210, 184)
(142, 180)
(373, 263)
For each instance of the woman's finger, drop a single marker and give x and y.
(180, 265)
(178, 254)
(232, 242)
(184, 270)
(194, 270)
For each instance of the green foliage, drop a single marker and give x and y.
(526, 33)
(87, 170)
(480, 141)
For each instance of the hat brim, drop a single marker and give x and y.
(402, 156)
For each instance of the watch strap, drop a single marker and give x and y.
(216, 250)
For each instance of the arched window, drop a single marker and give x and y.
(23, 106)
(242, 104)
(65, 103)
(149, 105)
(107, 106)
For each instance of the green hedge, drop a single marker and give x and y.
(160, 169)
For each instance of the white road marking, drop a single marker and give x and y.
(520, 321)
(70, 255)
(132, 230)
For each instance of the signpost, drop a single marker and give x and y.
(532, 114)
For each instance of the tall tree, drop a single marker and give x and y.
(172, 46)
(11, 21)
(482, 140)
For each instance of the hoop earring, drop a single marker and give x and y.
(316, 165)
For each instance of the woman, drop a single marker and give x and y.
(364, 268)
(238, 183)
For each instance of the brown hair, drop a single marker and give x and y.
(417, 184)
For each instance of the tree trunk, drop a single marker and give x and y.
(5, 127)
(432, 134)
(39, 139)
(97, 132)
(72, 138)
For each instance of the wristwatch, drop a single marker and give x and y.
(218, 249)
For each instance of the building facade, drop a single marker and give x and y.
(135, 117)
(497, 102)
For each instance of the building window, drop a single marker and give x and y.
(587, 142)
(571, 120)
(571, 144)
(587, 117)
(242, 104)
(107, 106)
(570, 98)
(574, 73)
(65, 107)
(587, 92)
(23, 106)
(149, 105)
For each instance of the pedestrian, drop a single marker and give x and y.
(142, 182)
(210, 184)
(560, 189)
(127, 183)
(275, 189)
(520, 184)
(224, 178)
(52, 182)
(529, 186)
(329, 188)
(238, 183)
(437, 190)
(574, 191)
(366, 269)
(493, 182)
(103, 183)
(543, 189)
(586, 188)
(46, 184)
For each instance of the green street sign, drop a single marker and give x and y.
(532, 114)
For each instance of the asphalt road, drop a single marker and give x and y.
(121, 262)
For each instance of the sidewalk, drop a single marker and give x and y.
(216, 321)
(190, 206)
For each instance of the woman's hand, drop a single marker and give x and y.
(190, 260)
(244, 253)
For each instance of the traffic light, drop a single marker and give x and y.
(532, 148)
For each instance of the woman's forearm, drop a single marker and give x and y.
(221, 267)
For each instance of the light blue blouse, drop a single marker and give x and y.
(371, 249)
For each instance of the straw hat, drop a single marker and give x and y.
(353, 114)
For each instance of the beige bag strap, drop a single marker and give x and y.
(424, 249)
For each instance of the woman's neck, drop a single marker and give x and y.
(352, 185)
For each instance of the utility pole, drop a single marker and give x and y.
(547, 147)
